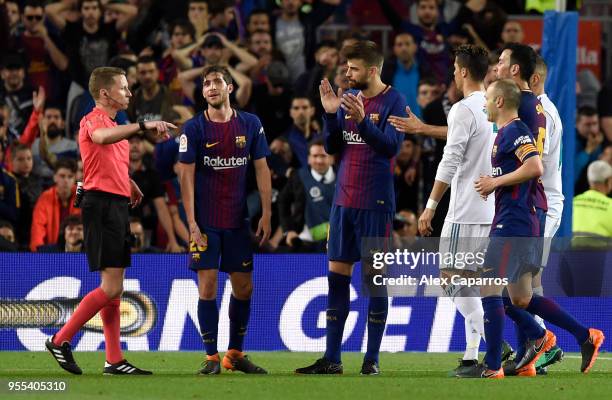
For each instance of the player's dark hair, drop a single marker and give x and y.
(587, 111)
(66, 163)
(227, 77)
(365, 50)
(523, 56)
(185, 25)
(475, 59)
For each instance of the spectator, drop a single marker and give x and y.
(512, 33)
(588, 143)
(270, 100)
(7, 237)
(306, 201)
(70, 239)
(592, 214)
(44, 57)
(429, 34)
(406, 174)
(484, 21)
(9, 197)
(52, 144)
(341, 80)
(221, 18)
(198, 16)
(404, 229)
(295, 32)
(90, 43)
(16, 94)
(427, 92)
(153, 208)
(54, 205)
(403, 71)
(4, 142)
(182, 33)
(308, 83)
(138, 238)
(448, 10)
(14, 17)
(604, 106)
(303, 130)
(30, 188)
(258, 20)
(260, 45)
(152, 100)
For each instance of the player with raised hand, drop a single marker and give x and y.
(215, 151)
(356, 127)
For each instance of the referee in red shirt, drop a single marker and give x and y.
(109, 192)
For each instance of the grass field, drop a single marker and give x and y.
(404, 376)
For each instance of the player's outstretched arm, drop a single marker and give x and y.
(264, 185)
(412, 124)
(159, 130)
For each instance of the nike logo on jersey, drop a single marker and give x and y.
(246, 263)
(209, 145)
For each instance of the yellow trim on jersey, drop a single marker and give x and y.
(524, 150)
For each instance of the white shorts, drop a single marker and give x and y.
(464, 242)
(550, 229)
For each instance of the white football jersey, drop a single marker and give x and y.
(551, 159)
(467, 156)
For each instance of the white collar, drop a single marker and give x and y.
(330, 176)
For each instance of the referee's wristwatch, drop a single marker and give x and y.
(141, 124)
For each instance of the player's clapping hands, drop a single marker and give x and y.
(329, 100)
(410, 124)
(485, 185)
(353, 106)
(159, 131)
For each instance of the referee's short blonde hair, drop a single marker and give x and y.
(103, 78)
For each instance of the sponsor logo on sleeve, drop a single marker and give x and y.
(183, 144)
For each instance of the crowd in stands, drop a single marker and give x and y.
(277, 58)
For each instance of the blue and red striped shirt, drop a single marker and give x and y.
(515, 213)
(222, 153)
(531, 112)
(367, 152)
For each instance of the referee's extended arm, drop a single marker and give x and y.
(120, 132)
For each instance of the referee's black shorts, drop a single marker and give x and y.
(106, 227)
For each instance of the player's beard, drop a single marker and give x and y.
(219, 102)
(358, 85)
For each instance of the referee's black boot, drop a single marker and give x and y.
(63, 356)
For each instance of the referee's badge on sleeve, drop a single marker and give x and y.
(183, 144)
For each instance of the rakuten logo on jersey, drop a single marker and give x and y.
(497, 171)
(217, 163)
(352, 138)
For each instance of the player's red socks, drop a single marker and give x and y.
(111, 319)
(89, 306)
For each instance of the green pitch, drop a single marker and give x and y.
(404, 376)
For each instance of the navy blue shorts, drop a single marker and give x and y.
(348, 226)
(510, 256)
(228, 250)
